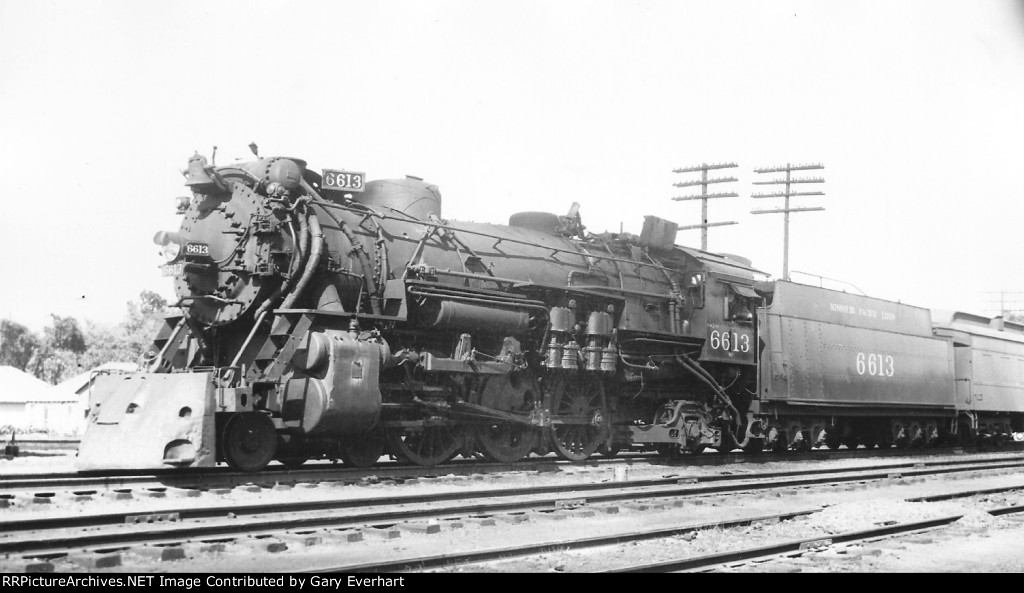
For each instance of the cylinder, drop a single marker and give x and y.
(465, 315)
(305, 401)
(314, 355)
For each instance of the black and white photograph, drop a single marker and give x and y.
(334, 293)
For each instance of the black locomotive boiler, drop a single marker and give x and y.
(327, 316)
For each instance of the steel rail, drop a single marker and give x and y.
(223, 476)
(694, 562)
(437, 561)
(467, 465)
(395, 509)
(710, 561)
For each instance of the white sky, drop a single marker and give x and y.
(914, 107)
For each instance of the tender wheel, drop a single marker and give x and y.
(900, 436)
(754, 446)
(362, 450)
(668, 450)
(581, 396)
(801, 440)
(832, 438)
(883, 436)
(505, 442)
(776, 442)
(728, 441)
(609, 449)
(916, 435)
(249, 441)
(292, 452)
(428, 445)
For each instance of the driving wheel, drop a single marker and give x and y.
(579, 398)
(505, 442)
(249, 441)
(424, 445)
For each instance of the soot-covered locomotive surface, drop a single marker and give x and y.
(324, 316)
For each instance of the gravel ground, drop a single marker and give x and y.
(976, 543)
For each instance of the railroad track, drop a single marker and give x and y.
(57, 536)
(478, 560)
(205, 479)
(799, 547)
(224, 477)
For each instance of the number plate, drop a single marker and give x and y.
(197, 249)
(730, 342)
(343, 180)
(729, 339)
(173, 269)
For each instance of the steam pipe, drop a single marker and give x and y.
(706, 377)
(312, 262)
(293, 269)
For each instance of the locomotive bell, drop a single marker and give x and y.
(198, 176)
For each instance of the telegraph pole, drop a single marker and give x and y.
(1009, 301)
(704, 196)
(787, 194)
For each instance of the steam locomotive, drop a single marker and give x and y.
(326, 316)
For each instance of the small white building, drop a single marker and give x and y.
(17, 388)
(62, 410)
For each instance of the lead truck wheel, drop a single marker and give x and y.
(362, 450)
(249, 441)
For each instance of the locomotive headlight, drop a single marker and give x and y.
(171, 251)
(170, 244)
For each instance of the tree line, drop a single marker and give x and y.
(66, 348)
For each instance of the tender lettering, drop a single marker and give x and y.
(869, 313)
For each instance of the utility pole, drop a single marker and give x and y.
(704, 196)
(787, 194)
(1009, 301)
